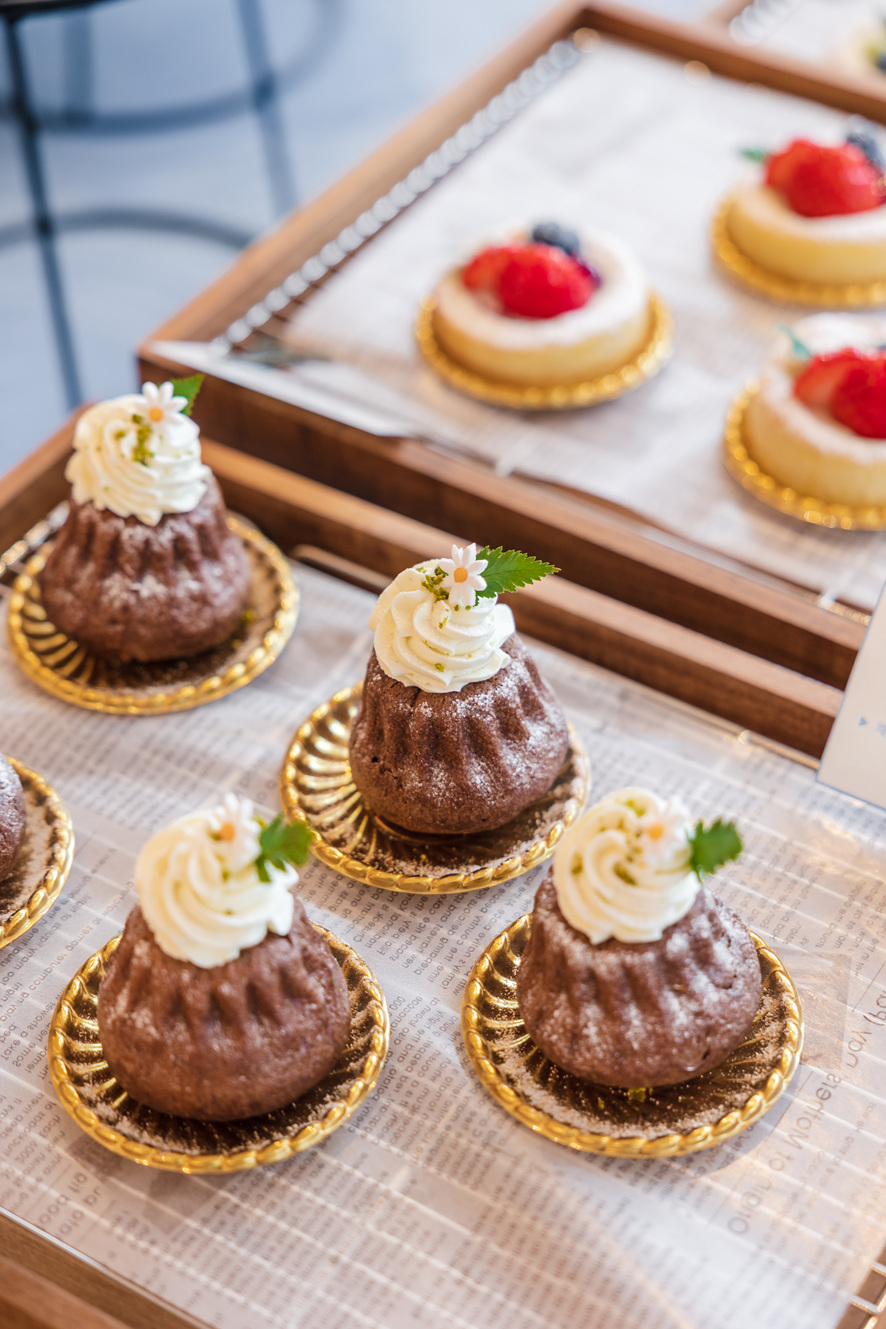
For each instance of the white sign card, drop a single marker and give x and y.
(854, 759)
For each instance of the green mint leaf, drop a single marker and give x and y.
(281, 843)
(188, 387)
(508, 570)
(712, 846)
(755, 154)
(800, 349)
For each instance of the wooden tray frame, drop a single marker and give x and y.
(591, 542)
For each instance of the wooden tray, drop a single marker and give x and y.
(597, 546)
(351, 537)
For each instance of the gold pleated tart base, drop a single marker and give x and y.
(316, 786)
(565, 396)
(43, 864)
(741, 466)
(63, 667)
(734, 263)
(597, 1119)
(102, 1108)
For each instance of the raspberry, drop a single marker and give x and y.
(859, 401)
(485, 269)
(540, 281)
(817, 382)
(825, 182)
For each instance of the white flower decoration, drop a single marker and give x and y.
(160, 407)
(463, 580)
(235, 831)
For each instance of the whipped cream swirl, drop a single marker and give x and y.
(429, 641)
(622, 870)
(199, 889)
(138, 456)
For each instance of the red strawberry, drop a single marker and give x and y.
(485, 269)
(816, 383)
(817, 181)
(781, 165)
(540, 281)
(859, 401)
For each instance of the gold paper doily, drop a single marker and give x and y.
(103, 1109)
(59, 665)
(567, 396)
(316, 787)
(44, 861)
(657, 1123)
(784, 290)
(742, 467)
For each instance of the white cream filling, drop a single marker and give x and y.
(767, 209)
(823, 334)
(623, 295)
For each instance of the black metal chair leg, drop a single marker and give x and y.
(266, 105)
(79, 64)
(43, 221)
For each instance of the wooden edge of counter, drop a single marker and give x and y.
(28, 1301)
(753, 693)
(45, 1286)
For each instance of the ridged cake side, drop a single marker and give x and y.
(128, 591)
(454, 763)
(13, 817)
(233, 1041)
(642, 1014)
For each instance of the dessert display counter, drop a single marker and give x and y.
(430, 1202)
(694, 651)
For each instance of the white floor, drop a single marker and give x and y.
(384, 59)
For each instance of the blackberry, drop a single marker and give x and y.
(862, 134)
(560, 237)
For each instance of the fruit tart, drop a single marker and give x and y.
(635, 974)
(13, 817)
(457, 732)
(818, 421)
(544, 309)
(221, 1000)
(145, 567)
(817, 215)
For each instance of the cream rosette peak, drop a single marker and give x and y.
(433, 631)
(138, 456)
(207, 888)
(439, 626)
(625, 868)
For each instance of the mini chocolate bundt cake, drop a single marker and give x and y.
(639, 1014)
(454, 763)
(13, 817)
(130, 591)
(226, 1042)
